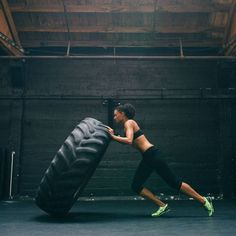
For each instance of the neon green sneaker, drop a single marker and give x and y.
(209, 206)
(161, 211)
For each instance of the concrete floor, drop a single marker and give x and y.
(118, 218)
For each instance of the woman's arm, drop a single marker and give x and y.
(129, 134)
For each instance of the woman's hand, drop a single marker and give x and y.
(111, 131)
(125, 140)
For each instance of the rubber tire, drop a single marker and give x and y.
(72, 167)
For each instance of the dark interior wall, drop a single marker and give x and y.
(5, 120)
(196, 136)
(232, 139)
(5, 106)
(108, 77)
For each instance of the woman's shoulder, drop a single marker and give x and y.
(133, 123)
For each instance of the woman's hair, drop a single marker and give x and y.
(128, 109)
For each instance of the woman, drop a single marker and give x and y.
(151, 161)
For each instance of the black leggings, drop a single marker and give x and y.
(152, 161)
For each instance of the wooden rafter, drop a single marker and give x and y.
(230, 31)
(123, 43)
(125, 29)
(67, 26)
(11, 24)
(9, 36)
(43, 23)
(108, 8)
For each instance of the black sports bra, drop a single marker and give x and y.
(137, 134)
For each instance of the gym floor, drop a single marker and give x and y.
(124, 217)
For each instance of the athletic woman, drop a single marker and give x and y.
(151, 161)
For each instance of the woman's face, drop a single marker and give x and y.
(118, 116)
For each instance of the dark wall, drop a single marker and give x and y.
(108, 77)
(194, 129)
(5, 108)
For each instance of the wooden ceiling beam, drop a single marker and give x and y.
(115, 8)
(10, 21)
(230, 32)
(123, 43)
(106, 29)
(9, 49)
(8, 35)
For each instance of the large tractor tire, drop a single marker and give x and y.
(72, 167)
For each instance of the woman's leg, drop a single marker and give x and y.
(207, 202)
(163, 169)
(142, 173)
(188, 190)
(148, 194)
(166, 173)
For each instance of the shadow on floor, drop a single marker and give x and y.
(77, 217)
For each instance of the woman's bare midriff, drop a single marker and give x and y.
(141, 143)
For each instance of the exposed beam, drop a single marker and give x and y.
(230, 31)
(125, 29)
(10, 22)
(231, 58)
(230, 50)
(67, 27)
(230, 21)
(123, 43)
(109, 8)
(6, 36)
(9, 46)
(9, 50)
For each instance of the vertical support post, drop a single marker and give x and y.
(114, 54)
(11, 174)
(110, 104)
(181, 48)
